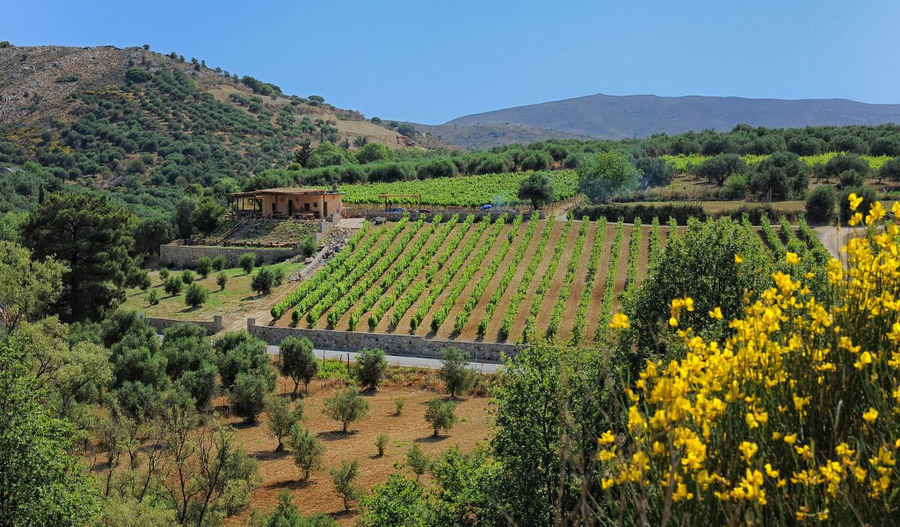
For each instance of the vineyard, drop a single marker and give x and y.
(463, 191)
(496, 280)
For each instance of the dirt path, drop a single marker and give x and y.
(592, 317)
(576, 289)
(552, 295)
(833, 238)
(622, 271)
(515, 332)
(643, 255)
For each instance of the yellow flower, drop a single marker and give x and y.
(606, 455)
(856, 219)
(772, 473)
(791, 258)
(716, 313)
(738, 260)
(682, 494)
(865, 358)
(855, 201)
(607, 438)
(673, 322)
(870, 416)
(619, 321)
(748, 449)
(876, 212)
(790, 439)
(896, 209)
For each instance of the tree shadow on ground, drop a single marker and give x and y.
(432, 439)
(336, 435)
(270, 455)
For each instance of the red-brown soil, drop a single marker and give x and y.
(317, 495)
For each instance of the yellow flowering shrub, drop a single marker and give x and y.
(795, 417)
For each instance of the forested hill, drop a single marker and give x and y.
(149, 124)
(615, 117)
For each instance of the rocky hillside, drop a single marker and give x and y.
(149, 124)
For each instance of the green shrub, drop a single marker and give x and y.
(850, 178)
(173, 285)
(281, 418)
(700, 264)
(247, 396)
(297, 361)
(381, 441)
(263, 281)
(370, 367)
(204, 266)
(221, 280)
(417, 461)
(163, 273)
(308, 246)
(455, 372)
(344, 480)
(306, 449)
(346, 405)
(399, 402)
(195, 295)
(440, 415)
(247, 261)
(218, 263)
(187, 276)
(820, 204)
(153, 297)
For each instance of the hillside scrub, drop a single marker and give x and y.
(793, 418)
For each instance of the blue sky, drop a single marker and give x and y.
(433, 61)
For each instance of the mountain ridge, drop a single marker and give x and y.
(605, 116)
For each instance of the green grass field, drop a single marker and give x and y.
(236, 297)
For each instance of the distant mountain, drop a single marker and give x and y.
(619, 117)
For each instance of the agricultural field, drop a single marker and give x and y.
(463, 191)
(684, 162)
(497, 281)
(236, 297)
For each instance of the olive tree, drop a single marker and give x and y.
(297, 361)
(440, 415)
(370, 367)
(346, 405)
(281, 418)
(306, 450)
(455, 372)
(605, 175)
(537, 189)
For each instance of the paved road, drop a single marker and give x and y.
(399, 360)
(833, 239)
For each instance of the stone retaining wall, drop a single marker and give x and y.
(161, 324)
(408, 345)
(174, 255)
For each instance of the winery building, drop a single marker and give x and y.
(287, 202)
